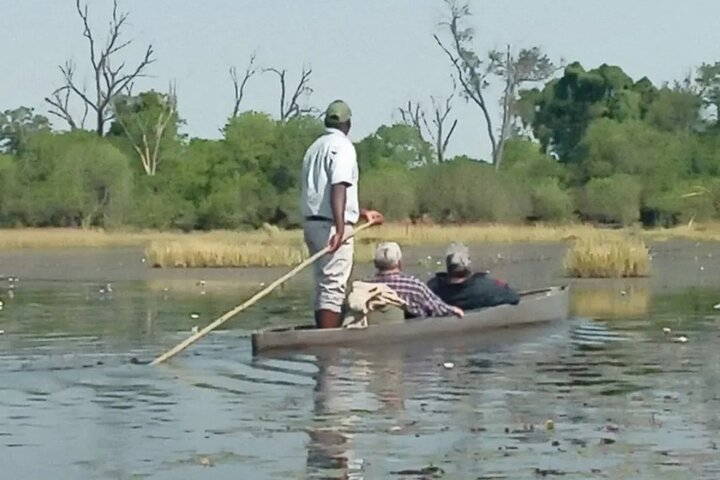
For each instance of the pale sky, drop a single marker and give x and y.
(375, 54)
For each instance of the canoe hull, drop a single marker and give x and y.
(535, 307)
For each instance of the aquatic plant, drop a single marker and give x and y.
(607, 256)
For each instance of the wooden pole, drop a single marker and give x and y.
(254, 299)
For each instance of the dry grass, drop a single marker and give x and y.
(606, 256)
(194, 253)
(270, 246)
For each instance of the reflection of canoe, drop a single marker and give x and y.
(535, 306)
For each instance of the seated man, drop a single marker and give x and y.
(420, 301)
(463, 288)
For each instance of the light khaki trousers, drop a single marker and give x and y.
(331, 272)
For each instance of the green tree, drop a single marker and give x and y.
(17, 125)
(561, 112)
(523, 160)
(8, 188)
(708, 81)
(393, 145)
(674, 110)
(634, 148)
(149, 122)
(73, 179)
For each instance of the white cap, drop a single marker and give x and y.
(387, 255)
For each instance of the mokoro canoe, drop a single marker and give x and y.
(536, 306)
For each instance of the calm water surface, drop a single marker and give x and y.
(627, 400)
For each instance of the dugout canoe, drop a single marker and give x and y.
(536, 306)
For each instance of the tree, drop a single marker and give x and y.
(708, 81)
(71, 179)
(91, 185)
(8, 187)
(398, 145)
(414, 115)
(675, 110)
(146, 120)
(17, 125)
(528, 66)
(472, 72)
(111, 76)
(239, 85)
(561, 112)
(291, 107)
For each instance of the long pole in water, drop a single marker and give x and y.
(254, 299)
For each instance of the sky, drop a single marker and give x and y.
(375, 54)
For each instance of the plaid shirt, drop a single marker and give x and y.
(421, 301)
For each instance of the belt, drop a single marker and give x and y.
(318, 218)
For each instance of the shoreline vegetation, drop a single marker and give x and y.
(271, 246)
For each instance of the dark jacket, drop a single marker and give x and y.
(478, 291)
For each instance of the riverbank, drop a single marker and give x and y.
(271, 246)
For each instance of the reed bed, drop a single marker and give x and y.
(193, 253)
(607, 256)
(270, 246)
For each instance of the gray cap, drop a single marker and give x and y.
(387, 255)
(457, 257)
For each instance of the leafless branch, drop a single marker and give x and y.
(292, 108)
(59, 101)
(239, 86)
(414, 115)
(471, 71)
(108, 81)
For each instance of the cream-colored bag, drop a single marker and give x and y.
(365, 298)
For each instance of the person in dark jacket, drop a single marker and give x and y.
(462, 288)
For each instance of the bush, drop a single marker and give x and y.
(467, 191)
(550, 202)
(614, 199)
(7, 186)
(390, 191)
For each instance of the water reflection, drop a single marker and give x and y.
(614, 301)
(329, 451)
(216, 412)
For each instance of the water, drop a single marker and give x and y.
(627, 399)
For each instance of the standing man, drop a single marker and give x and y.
(329, 205)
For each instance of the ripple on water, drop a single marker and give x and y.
(624, 398)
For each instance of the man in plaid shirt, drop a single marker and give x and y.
(421, 301)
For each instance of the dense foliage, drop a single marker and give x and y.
(590, 145)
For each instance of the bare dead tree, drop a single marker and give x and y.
(529, 65)
(110, 77)
(472, 72)
(291, 107)
(239, 85)
(146, 130)
(414, 115)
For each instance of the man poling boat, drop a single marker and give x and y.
(330, 207)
